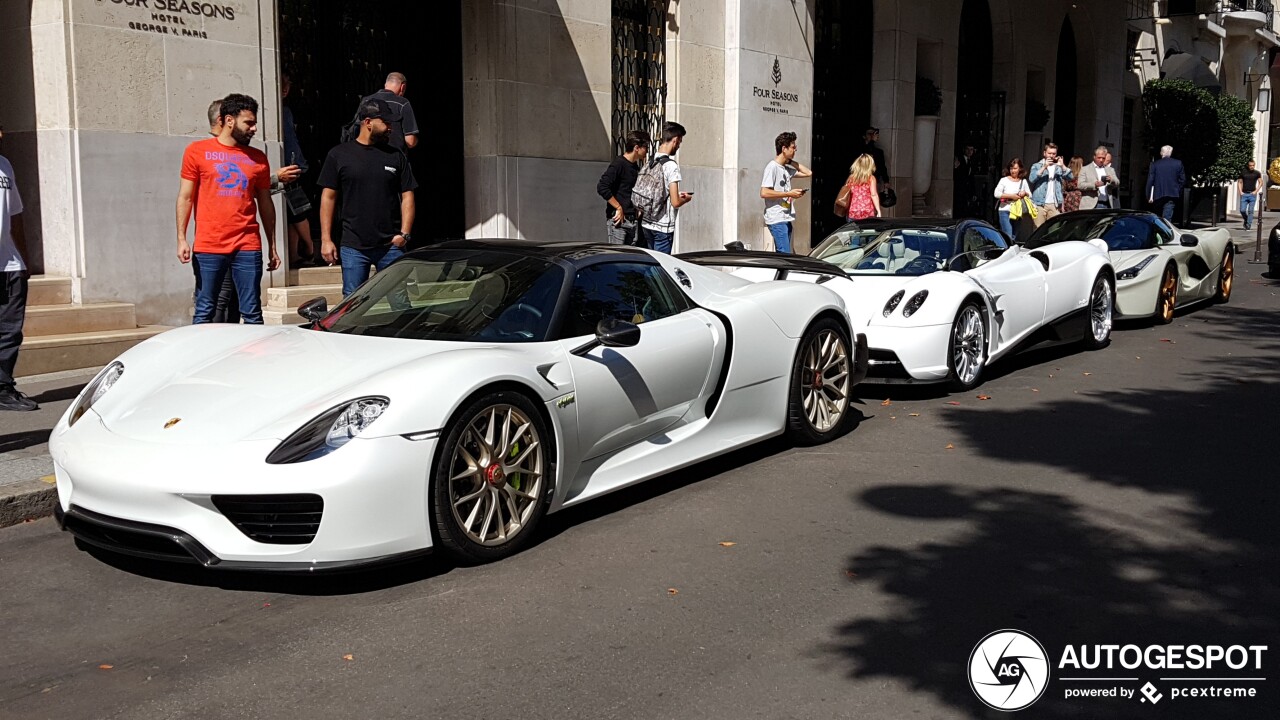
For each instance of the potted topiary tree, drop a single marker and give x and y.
(928, 105)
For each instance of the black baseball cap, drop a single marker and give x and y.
(375, 108)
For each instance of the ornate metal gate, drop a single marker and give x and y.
(639, 68)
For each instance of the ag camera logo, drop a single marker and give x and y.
(1008, 670)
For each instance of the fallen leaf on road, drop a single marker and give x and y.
(949, 447)
(850, 574)
(672, 591)
(348, 656)
(886, 403)
(915, 414)
(1137, 357)
(104, 666)
(266, 604)
(728, 544)
(49, 479)
(984, 397)
(953, 402)
(1087, 374)
(1168, 341)
(1035, 389)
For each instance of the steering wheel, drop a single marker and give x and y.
(516, 313)
(921, 265)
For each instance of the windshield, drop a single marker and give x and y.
(896, 251)
(1120, 232)
(467, 295)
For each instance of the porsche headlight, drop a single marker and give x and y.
(914, 303)
(890, 306)
(329, 431)
(1131, 272)
(94, 391)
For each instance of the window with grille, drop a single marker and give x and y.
(639, 68)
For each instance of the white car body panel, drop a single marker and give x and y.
(618, 415)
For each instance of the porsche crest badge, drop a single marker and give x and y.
(172, 422)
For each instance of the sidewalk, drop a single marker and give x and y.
(26, 470)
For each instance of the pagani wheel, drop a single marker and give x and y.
(1226, 276)
(492, 479)
(819, 395)
(967, 351)
(1099, 317)
(1167, 297)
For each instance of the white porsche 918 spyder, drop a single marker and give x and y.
(940, 299)
(1158, 268)
(452, 400)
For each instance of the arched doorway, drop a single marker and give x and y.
(1064, 94)
(979, 115)
(843, 35)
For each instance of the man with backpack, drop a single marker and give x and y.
(615, 187)
(657, 192)
(403, 123)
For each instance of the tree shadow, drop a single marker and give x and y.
(1188, 556)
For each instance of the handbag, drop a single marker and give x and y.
(841, 208)
(888, 198)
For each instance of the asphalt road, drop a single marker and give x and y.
(1121, 496)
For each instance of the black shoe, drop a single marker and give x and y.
(11, 399)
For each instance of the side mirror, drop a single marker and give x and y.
(314, 309)
(611, 332)
(1189, 240)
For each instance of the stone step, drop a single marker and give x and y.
(71, 351)
(281, 317)
(48, 290)
(325, 275)
(67, 319)
(289, 298)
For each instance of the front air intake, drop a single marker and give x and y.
(274, 519)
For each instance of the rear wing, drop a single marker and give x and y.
(781, 263)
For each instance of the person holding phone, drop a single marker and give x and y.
(776, 191)
(1046, 181)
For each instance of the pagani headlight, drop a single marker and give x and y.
(914, 303)
(1131, 272)
(892, 305)
(94, 391)
(329, 431)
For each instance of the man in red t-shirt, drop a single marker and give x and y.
(228, 184)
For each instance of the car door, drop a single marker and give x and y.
(1193, 271)
(1015, 279)
(627, 394)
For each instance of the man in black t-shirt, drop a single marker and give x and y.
(615, 187)
(1248, 185)
(375, 183)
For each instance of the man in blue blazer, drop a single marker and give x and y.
(1165, 181)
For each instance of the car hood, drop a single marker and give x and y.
(866, 295)
(259, 383)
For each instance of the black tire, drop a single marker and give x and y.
(818, 399)
(468, 542)
(1101, 284)
(1226, 276)
(1167, 296)
(954, 380)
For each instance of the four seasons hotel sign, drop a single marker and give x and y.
(197, 19)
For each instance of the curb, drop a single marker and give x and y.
(26, 500)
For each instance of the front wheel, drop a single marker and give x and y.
(1225, 276)
(967, 353)
(820, 383)
(1167, 300)
(492, 479)
(1098, 319)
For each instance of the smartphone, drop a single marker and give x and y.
(803, 190)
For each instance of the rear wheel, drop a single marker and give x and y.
(819, 396)
(1225, 276)
(1167, 297)
(1098, 320)
(967, 353)
(492, 479)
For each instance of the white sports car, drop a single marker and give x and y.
(1158, 268)
(939, 299)
(452, 400)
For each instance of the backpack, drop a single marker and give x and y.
(649, 195)
(351, 130)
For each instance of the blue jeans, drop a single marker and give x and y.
(1005, 225)
(245, 268)
(781, 233)
(1247, 204)
(356, 264)
(660, 241)
(1165, 205)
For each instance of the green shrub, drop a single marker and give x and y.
(1213, 137)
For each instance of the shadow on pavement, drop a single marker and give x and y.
(21, 440)
(1192, 561)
